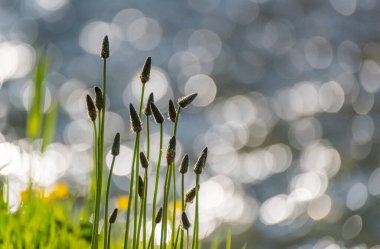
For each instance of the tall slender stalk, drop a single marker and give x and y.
(115, 152)
(135, 218)
(126, 235)
(106, 204)
(196, 218)
(136, 127)
(174, 178)
(156, 183)
(170, 157)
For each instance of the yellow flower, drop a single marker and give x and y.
(178, 205)
(121, 202)
(61, 191)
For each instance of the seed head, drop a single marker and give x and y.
(116, 145)
(91, 110)
(200, 164)
(184, 164)
(141, 187)
(158, 216)
(145, 73)
(186, 100)
(143, 160)
(158, 118)
(190, 195)
(105, 53)
(136, 125)
(113, 216)
(98, 98)
(185, 221)
(170, 152)
(148, 110)
(172, 113)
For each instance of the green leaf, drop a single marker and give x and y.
(244, 246)
(34, 120)
(49, 125)
(228, 239)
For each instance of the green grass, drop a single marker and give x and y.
(64, 220)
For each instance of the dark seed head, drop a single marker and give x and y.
(143, 160)
(158, 216)
(145, 73)
(185, 221)
(190, 195)
(116, 145)
(141, 187)
(91, 110)
(148, 110)
(200, 164)
(158, 118)
(172, 111)
(186, 100)
(113, 216)
(105, 53)
(136, 125)
(98, 98)
(170, 152)
(184, 164)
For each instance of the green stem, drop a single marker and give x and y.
(106, 205)
(175, 204)
(141, 99)
(176, 237)
(140, 220)
(165, 208)
(108, 237)
(182, 204)
(135, 155)
(187, 239)
(126, 236)
(156, 185)
(174, 178)
(144, 209)
(136, 192)
(100, 155)
(196, 219)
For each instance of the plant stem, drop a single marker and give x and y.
(182, 204)
(136, 193)
(187, 239)
(108, 238)
(144, 209)
(174, 177)
(94, 241)
(176, 237)
(135, 155)
(126, 236)
(106, 205)
(156, 185)
(196, 219)
(175, 203)
(146, 181)
(165, 206)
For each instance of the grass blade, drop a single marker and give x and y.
(228, 239)
(49, 125)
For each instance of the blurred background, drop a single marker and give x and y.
(287, 106)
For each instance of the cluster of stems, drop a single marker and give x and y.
(136, 232)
